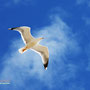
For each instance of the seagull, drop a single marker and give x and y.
(32, 43)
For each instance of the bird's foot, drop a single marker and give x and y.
(21, 50)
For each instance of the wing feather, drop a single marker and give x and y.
(43, 51)
(26, 36)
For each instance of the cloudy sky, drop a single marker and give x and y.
(65, 26)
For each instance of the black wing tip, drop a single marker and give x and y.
(12, 28)
(45, 66)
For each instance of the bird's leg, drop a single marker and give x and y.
(24, 49)
(21, 50)
(28, 46)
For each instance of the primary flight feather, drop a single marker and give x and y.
(32, 43)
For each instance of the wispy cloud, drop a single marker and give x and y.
(81, 1)
(27, 69)
(87, 49)
(16, 2)
(60, 12)
(87, 20)
(87, 2)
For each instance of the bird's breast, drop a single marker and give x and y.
(31, 44)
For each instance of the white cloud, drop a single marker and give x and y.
(28, 67)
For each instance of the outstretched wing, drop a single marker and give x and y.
(26, 36)
(43, 51)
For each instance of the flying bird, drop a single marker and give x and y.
(32, 43)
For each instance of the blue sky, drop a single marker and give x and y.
(65, 25)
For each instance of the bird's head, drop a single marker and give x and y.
(20, 28)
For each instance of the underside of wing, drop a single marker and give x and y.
(26, 36)
(43, 51)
